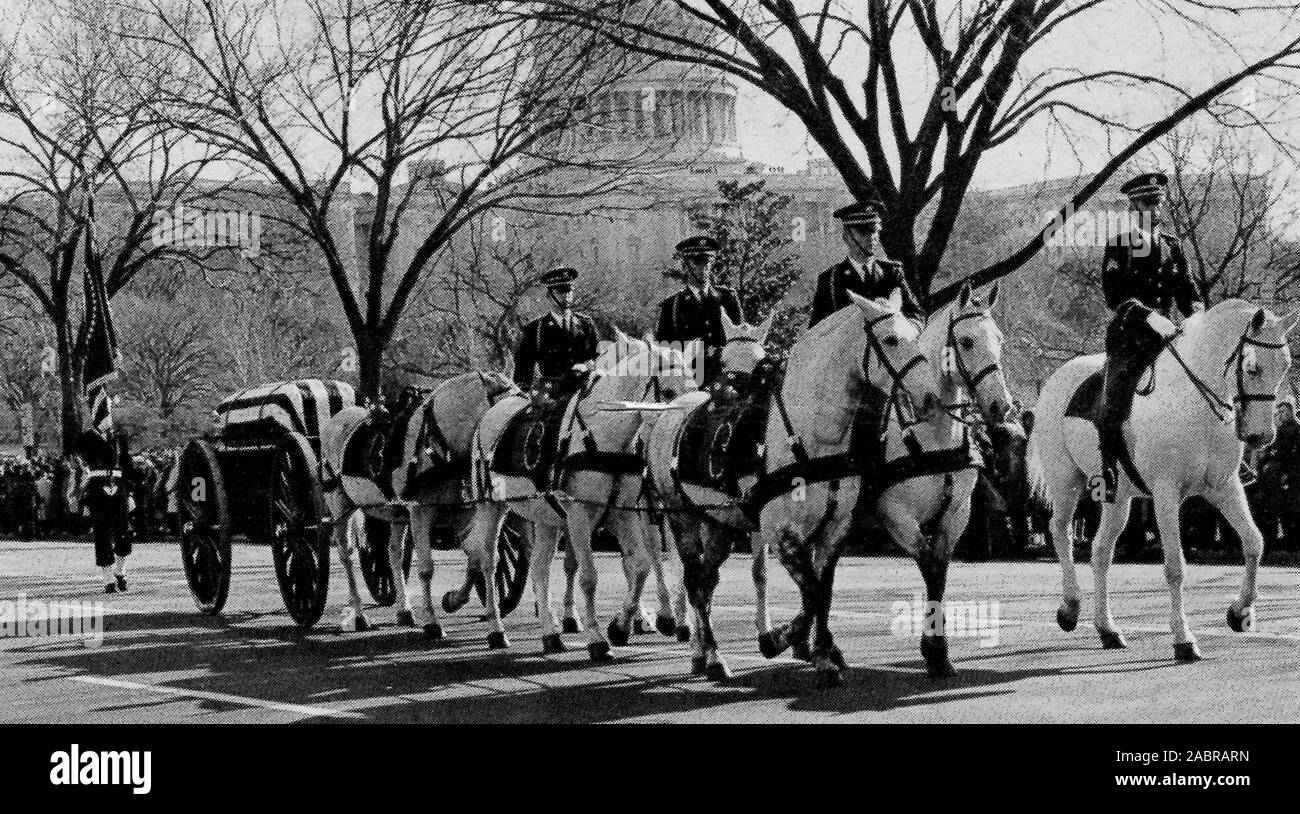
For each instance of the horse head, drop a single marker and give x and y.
(970, 347)
(892, 359)
(743, 348)
(1262, 359)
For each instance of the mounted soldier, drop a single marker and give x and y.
(1144, 276)
(695, 313)
(557, 348)
(868, 274)
(864, 271)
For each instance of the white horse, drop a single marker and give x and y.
(810, 478)
(434, 458)
(627, 370)
(926, 514)
(700, 516)
(1229, 359)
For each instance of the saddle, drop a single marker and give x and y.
(1086, 401)
(530, 445)
(376, 448)
(722, 441)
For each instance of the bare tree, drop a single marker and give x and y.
(169, 358)
(435, 110)
(908, 98)
(73, 121)
(474, 302)
(22, 351)
(1232, 211)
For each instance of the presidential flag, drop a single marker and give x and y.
(96, 341)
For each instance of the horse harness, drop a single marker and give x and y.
(831, 468)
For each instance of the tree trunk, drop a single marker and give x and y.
(370, 356)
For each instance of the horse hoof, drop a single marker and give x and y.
(553, 644)
(599, 651)
(837, 658)
(449, 602)
(1243, 623)
(800, 651)
(666, 625)
(617, 635)
(405, 618)
(1187, 651)
(363, 624)
(571, 625)
(718, 671)
(770, 646)
(497, 640)
(433, 632)
(1067, 621)
(684, 633)
(1112, 640)
(934, 649)
(699, 665)
(829, 678)
(642, 627)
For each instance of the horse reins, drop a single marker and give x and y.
(1215, 402)
(898, 377)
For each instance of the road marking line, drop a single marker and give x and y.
(863, 615)
(218, 696)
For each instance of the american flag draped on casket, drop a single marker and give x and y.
(258, 414)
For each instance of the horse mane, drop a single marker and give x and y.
(1227, 316)
(1210, 337)
(832, 323)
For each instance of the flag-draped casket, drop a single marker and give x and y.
(267, 411)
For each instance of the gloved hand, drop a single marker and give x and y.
(1162, 325)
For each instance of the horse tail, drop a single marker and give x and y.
(334, 437)
(1035, 479)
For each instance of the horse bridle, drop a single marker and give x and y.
(1242, 396)
(972, 382)
(898, 376)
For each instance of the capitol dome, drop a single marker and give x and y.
(671, 112)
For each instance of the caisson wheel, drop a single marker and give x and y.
(204, 527)
(300, 538)
(512, 565)
(373, 553)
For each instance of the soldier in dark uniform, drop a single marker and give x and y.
(556, 347)
(1144, 273)
(694, 314)
(107, 496)
(864, 272)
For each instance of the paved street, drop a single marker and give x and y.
(162, 662)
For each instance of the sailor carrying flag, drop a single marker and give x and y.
(107, 490)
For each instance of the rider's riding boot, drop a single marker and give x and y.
(1117, 394)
